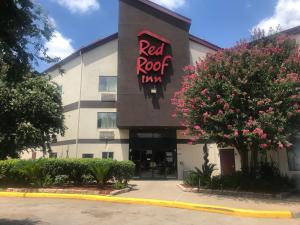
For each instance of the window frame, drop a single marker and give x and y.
(87, 154)
(109, 155)
(106, 76)
(99, 127)
(53, 155)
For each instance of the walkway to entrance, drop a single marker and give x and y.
(167, 190)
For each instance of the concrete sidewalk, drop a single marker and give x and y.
(167, 190)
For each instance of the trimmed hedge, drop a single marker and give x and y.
(47, 172)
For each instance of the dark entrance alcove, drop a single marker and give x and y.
(154, 152)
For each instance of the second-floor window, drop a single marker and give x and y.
(108, 84)
(107, 120)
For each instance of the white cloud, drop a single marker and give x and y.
(80, 6)
(52, 22)
(59, 46)
(171, 4)
(286, 14)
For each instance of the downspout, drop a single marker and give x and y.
(79, 102)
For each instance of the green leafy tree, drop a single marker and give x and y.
(246, 96)
(24, 30)
(30, 105)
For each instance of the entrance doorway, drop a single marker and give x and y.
(154, 153)
(227, 161)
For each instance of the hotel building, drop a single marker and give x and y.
(117, 96)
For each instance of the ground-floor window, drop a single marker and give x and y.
(87, 155)
(53, 155)
(294, 157)
(107, 155)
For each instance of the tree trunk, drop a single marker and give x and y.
(254, 160)
(244, 160)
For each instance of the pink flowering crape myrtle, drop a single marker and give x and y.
(246, 96)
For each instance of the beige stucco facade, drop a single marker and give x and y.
(79, 79)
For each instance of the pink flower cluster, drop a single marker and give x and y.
(189, 68)
(263, 146)
(264, 101)
(260, 133)
(293, 77)
(204, 91)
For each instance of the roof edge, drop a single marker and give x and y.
(113, 37)
(84, 49)
(293, 30)
(204, 42)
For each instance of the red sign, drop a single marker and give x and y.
(152, 62)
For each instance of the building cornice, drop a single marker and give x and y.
(204, 43)
(113, 37)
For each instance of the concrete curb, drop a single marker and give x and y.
(121, 191)
(155, 202)
(195, 190)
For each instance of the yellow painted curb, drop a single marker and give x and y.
(155, 202)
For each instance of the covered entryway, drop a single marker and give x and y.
(154, 153)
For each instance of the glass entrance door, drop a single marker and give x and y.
(154, 154)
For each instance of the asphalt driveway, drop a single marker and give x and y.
(25, 211)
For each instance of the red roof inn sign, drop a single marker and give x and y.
(152, 62)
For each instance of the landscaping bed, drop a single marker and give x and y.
(84, 176)
(235, 193)
(263, 181)
(84, 189)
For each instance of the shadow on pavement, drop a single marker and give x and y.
(18, 222)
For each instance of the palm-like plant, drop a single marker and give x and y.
(205, 173)
(33, 172)
(100, 172)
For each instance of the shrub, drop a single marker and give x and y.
(191, 179)
(44, 172)
(33, 172)
(7, 176)
(204, 175)
(123, 171)
(74, 168)
(101, 170)
(119, 185)
(239, 181)
(88, 179)
(60, 180)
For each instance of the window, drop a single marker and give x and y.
(294, 157)
(107, 155)
(108, 84)
(53, 155)
(87, 155)
(107, 120)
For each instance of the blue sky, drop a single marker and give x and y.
(222, 22)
